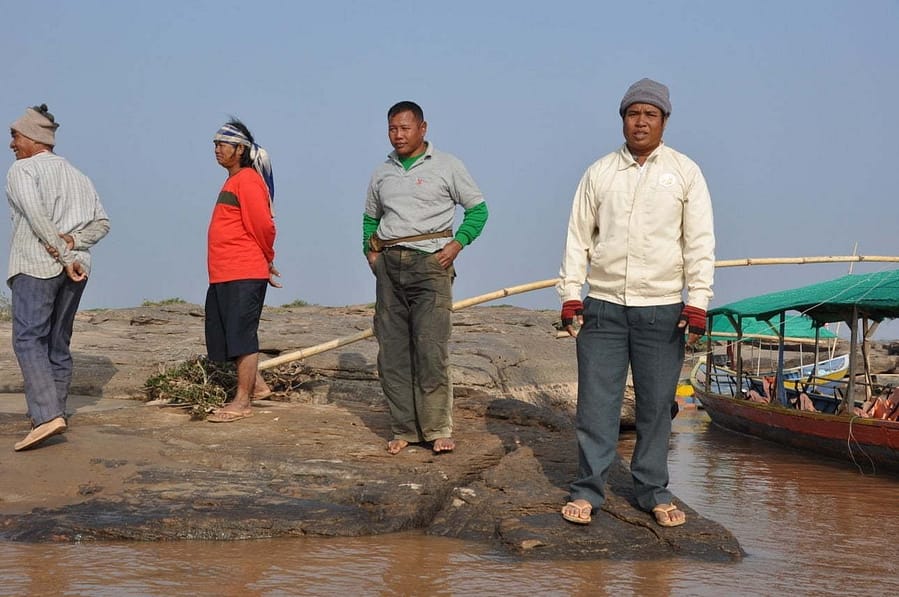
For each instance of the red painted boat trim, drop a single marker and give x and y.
(853, 438)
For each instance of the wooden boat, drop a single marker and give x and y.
(832, 369)
(872, 444)
(794, 377)
(824, 389)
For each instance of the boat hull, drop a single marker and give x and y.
(854, 439)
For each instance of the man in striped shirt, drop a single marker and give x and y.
(56, 219)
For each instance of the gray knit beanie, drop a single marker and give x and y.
(38, 125)
(647, 91)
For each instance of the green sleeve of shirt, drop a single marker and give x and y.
(369, 227)
(472, 224)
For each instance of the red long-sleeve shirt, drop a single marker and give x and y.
(241, 238)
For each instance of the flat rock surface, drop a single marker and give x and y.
(314, 462)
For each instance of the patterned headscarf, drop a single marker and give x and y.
(258, 155)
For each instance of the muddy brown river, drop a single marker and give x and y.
(809, 527)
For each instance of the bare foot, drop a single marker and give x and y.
(395, 446)
(261, 390)
(444, 444)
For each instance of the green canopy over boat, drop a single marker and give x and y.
(798, 328)
(874, 296)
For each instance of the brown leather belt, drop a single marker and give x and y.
(377, 244)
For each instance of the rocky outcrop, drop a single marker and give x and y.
(314, 463)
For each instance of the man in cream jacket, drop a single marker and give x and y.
(641, 237)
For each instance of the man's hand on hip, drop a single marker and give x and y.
(448, 253)
(372, 256)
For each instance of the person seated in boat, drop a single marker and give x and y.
(893, 403)
(755, 396)
(763, 397)
(866, 408)
(880, 407)
(803, 402)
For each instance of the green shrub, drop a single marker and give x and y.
(295, 303)
(169, 301)
(200, 384)
(5, 308)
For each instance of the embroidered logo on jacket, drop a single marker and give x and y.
(667, 179)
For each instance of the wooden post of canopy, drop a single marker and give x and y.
(849, 398)
(866, 358)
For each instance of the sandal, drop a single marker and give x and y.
(663, 517)
(227, 416)
(579, 517)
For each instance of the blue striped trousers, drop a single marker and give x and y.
(613, 337)
(43, 312)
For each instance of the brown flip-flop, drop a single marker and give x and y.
(227, 416)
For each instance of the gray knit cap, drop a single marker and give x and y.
(38, 125)
(646, 91)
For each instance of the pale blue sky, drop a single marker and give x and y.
(788, 107)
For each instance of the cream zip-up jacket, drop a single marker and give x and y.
(640, 236)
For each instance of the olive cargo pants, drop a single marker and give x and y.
(412, 324)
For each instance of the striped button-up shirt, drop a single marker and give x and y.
(48, 197)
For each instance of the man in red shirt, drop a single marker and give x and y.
(240, 259)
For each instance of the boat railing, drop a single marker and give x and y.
(720, 380)
(825, 394)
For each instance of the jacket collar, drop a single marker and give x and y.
(626, 160)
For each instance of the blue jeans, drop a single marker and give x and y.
(43, 312)
(612, 337)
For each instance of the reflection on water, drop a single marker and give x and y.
(397, 564)
(808, 529)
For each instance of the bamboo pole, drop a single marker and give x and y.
(513, 290)
(805, 260)
(313, 350)
(332, 344)
(492, 296)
